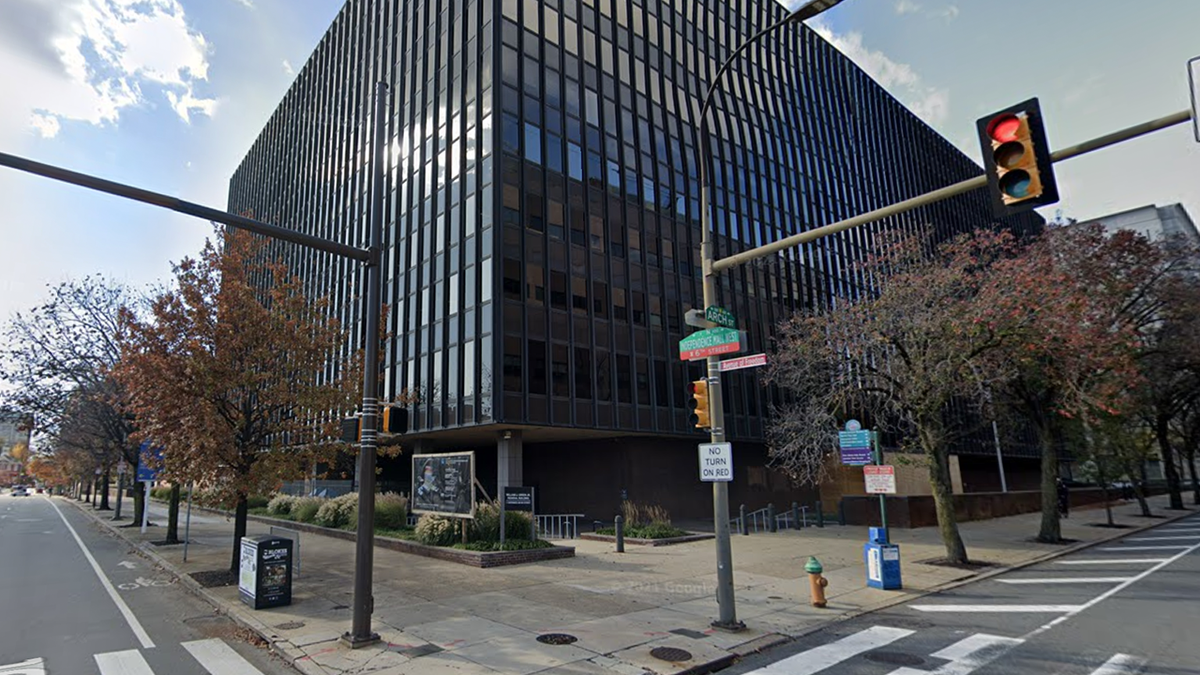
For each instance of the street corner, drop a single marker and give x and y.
(677, 655)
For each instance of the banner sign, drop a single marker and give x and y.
(444, 484)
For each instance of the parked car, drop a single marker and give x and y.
(20, 491)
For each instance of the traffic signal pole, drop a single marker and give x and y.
(942, 194)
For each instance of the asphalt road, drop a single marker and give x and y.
(1126, 607)
(93, 606)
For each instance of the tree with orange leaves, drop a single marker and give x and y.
(235, 375)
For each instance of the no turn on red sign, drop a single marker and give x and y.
(716, 462)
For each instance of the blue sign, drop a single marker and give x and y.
(150, 464)
(855, 447)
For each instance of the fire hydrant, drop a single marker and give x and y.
(816, 582)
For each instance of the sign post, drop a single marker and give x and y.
(882, 496)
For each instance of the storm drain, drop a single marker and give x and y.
(672, 654)
(895, 658)
(290, 625)
(556, 639)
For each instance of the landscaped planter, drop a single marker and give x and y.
(592, 536)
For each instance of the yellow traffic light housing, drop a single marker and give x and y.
(699, 404)
(1016, 157)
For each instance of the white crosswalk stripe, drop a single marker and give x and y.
(214, 655)
(129, 662)
(967, 654)
(30, 667)
(219, 658)
(819, 658)
(1121, 664)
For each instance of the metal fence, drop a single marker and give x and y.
(558, 525)
(795, 518)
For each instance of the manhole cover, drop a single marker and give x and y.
(556, 639)
(672, 654)
(895, 658)
(290, 625)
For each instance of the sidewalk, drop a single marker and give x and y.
(441, 617)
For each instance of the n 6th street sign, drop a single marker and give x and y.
(711, 342)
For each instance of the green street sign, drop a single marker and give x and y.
(721, 317)
(711, 342)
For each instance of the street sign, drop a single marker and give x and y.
(754, 361)
(716, 462)
(151, 463)
(711, 342)
(855, 447)
(720, 316)
(880, 479)
(518, 498)
(1193, 66)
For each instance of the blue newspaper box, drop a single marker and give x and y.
(883, 561)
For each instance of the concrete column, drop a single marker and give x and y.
(510, 460)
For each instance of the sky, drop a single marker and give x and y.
(169, 94)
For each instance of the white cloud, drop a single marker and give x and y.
(87, 60)
(907, 7)
(929, 103)
(949, 12)
(287, 68)
(248, 4)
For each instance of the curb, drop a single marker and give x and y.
(146, 550)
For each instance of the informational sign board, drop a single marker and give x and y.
(720, 316)
(248, 569)
(265, 571)
(518, 499)
(151, 463)
(880, 479)
(444, 484)
(711, 342)
(753, 361)
(855, 447)
(716, 462)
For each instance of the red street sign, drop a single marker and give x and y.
(753, 361)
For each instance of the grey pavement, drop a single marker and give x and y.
(1125, 607)
(58, 615)
(438, 616)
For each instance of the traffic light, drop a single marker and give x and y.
(699, 404)
(1016, 157)
(393, 420)
(351, 429)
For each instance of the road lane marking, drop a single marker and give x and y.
(128, 662)
(1067, 580)
(1011, 609)
(219, 658)
(1121, 664)
(130, 619)
(1193, 537)
(1111, 592)
(1114, 561)
(819, 658)
(30, 667)
(967, 655)
(1143, 548)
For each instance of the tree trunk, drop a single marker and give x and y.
(120, 495)
(1162, 431)
(1191, 460)
(239, 531)
(1139, 490)
(90, 492)
(104, 492)
(1050, 531)
(173, 516)
(139, 498)
(943, 501)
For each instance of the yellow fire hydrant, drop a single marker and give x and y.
(816, 582)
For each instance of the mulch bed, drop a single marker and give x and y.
(214, 578)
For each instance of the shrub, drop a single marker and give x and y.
(391, 511)
(282, 505)
(338, 511)
(658, 531)
(306, 509)
(256, 501)
(434, 530)
(642, 515)
(486, 526)
(163, 493)
(509, 545)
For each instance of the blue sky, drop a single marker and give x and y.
(169, 94)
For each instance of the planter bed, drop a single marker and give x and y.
(591, 536)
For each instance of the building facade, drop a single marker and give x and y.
(1154, 222)
(543, 227)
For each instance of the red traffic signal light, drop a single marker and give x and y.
(699, 404)
(1016, 157)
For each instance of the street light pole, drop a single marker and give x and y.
(360, 634)
(727, 609)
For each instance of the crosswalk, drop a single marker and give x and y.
(213, 655)
(961, 657)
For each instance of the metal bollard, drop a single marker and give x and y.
(745, 525)
(820, 515)
(620, 523)
(842, 513)
(804, 516)
(772, 526)
(795, 516)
